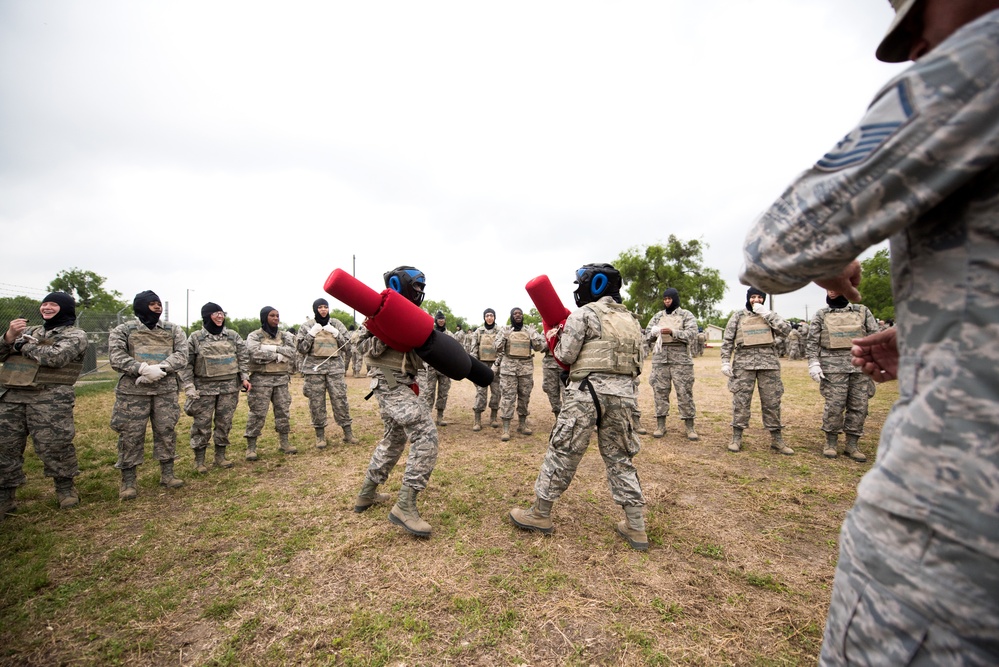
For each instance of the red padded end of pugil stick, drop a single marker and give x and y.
(546, 301)
(408, 325)
(348, 289)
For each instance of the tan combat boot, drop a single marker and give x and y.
(220, 460)
(199, 461)
(251, 449)
(537, 518)
(636, 424)
(691, 433)
(633, 528)
(852, 450)
(832, 445)
(660, 427)
(777, 444)
(348, 436)
(522, 427)
(405, 514)
(506, 430)
(285, 446)
(166, 476)
(368, 496)
(66, 493)
(736, 444)
(477, 424)
(320, 438)
(127, 491)
(440, 418)
(493, 416)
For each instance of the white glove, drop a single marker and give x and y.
(149, 373)
(815, 371)
(726, 369)
(316, 328)
(655, 331)
(269, 348)
(760, 309)
(192, 393)
(332, 329)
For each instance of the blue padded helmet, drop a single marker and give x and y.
(596, 281)
(407, 281)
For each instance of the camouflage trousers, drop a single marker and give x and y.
(570, 439)
(906, 595)
(846, 397)
(515, 390)
(406, 417)
(434, 384)
(552, 386)
(315, 387)
(666, 376)
(221, 407)
(128, 420)
(51, 427)
(771, 390)
(355, 360)
(259, 399)
(493, 392)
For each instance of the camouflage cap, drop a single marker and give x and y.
(894, 48)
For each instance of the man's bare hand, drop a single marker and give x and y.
(877, 355)
(845, 282)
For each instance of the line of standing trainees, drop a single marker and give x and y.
(272, 361)
(217, 369)
(40, 365)
(844, 387)
(323, 345)
(601, 344)
(671, 332)
(749, 358)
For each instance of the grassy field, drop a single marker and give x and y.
(267, 564)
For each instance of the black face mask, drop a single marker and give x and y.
(140, 306)
(839, 302)
(517, 324)
(673, 294)
(320, 320)
(484, 323)
(206, 318)
(271, 331)
(67, 310)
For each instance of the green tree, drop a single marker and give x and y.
(13, 307)
(875, 285)
(650, 270)
(88, 289)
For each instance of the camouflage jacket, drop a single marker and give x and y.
(754, 357)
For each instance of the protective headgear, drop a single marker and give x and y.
(596, 281)
(140, 306)
(206, 318)
(839, 302)
(673, 294)
(67, 310)
(894, 48)
(272, 331)
(750, 292)
(315, 311)
(408, 282)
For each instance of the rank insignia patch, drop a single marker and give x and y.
(886, 116)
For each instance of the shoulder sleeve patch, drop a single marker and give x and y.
(885, 117)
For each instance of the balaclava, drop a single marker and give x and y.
(271, 331)
(517, 326)
(67, 310)
(206, 318)
(140, 306)
(322, 321)
(750, 292)
(488, 310)
(440, 316)
(839, 302)
(673, 294)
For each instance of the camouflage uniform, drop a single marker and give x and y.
(672, 365)
(218, 395)
(405, 415)
(323, 366)
(355, 353)
(156, 402)
(492, 392)
(917, 578)
(793, 344)
(516, 373)
(42, 408)
(551, 380)
(845, 388)
(574, 427)
(754, 365)
(435, 386)
(270, 379)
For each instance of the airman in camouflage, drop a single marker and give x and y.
(357, 359)
(217, 368)
(148, 353)
(40, 366)
(434, 385)
(844, 387)
(272, 361)
(794, 343)
(514, 345)
(323, 345)
(749, 357)
(917, 578)
(601, 342)
(483, 348)
(406, 417)
(671, 332)
(551, 381)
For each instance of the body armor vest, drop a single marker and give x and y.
(217, 360)
(25, 373)
(151, 346)
(487, 346)
(841, 328)
(673, 322)
(393, 360)
(754, 330)
(325, 345)
(518, 345)
(618, 348)
(271, 367)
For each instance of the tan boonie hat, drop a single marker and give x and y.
(894, 48)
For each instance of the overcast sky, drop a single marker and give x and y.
(238, 152)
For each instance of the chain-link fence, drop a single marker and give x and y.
(19, 301)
